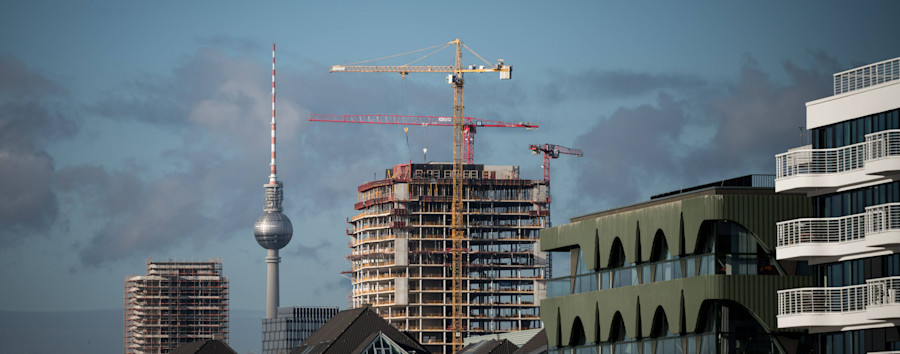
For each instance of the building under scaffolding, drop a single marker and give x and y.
(401, 241)
(175, 303)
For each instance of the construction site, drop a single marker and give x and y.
(401, 243)
(175, 303)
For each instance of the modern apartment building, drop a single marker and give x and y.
(175, 303)
(292, 326)
(400, 243)
(851, 171)
(691, 271)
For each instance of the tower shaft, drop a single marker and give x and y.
(272, 286)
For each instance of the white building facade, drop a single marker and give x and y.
(851, 172)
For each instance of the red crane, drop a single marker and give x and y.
(552, 152)
(469, 125)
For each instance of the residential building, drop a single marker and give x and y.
(691, 271)
(175, 303)
(400, 243)
(850, 170)
(292, 326)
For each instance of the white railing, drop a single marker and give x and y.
(810, 161)
(865, 76)
(882, 217)
(821, 230)
(883, 291)
(817, 161)
(883, 144)
(822, 300)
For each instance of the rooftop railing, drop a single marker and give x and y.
(865, 76)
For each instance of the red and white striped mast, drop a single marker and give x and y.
(272, 178)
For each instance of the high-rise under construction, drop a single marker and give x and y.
(401, 244)
(175, 303)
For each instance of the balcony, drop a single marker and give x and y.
(822, 240)
(827, 309)
(806, 169)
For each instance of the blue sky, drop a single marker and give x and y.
(138, 130)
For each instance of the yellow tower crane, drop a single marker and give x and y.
(455, 79)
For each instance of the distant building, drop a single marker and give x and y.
(175, 303)
(851, 171)
(693, 271)
(292, 326)
(359, 331)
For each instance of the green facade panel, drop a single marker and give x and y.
(680, 220)
(638, 304)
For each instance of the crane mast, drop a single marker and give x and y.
(456, 80)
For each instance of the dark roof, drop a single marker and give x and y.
(536, 345)
(352, 330)
(490, 346)
(211, 346)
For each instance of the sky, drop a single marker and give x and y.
(139, 130)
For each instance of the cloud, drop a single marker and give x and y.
(218, 104)
(616, 84)
(29, 118)
(697, 137)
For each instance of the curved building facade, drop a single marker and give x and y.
(691, 271)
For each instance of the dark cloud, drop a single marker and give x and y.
(219, 104)
(697, 137)
(605, 85)
(18, 81)
(28, 120)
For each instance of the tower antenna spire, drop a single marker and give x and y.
(272, 177)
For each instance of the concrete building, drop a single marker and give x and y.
(175, 303)
(292, 326)
(400, 243)
(691, 271)
(850, 170)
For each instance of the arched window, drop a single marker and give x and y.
(577, 338)
(660, 326)
(617, 331)
(617, 254)
(667, 267)
(621, 277)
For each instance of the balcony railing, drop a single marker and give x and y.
(876, 219)
(884, 291)
(810, 161)
(865, 76)
(882, 218)
(819, 161)
(836, 300)
(821, 230)
(883, 144)
(822, 300)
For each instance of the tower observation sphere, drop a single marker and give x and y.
(273, 230)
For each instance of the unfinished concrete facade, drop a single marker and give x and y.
(175, 303)
(400, 250)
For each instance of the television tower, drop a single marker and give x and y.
(273, 230)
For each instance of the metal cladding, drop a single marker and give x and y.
(273, 230)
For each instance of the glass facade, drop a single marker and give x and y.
(854, 131)
(292, 326)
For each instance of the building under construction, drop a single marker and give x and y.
(175, 303)
(401, 246)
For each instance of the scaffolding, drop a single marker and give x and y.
(401, 245)
(176, 302)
